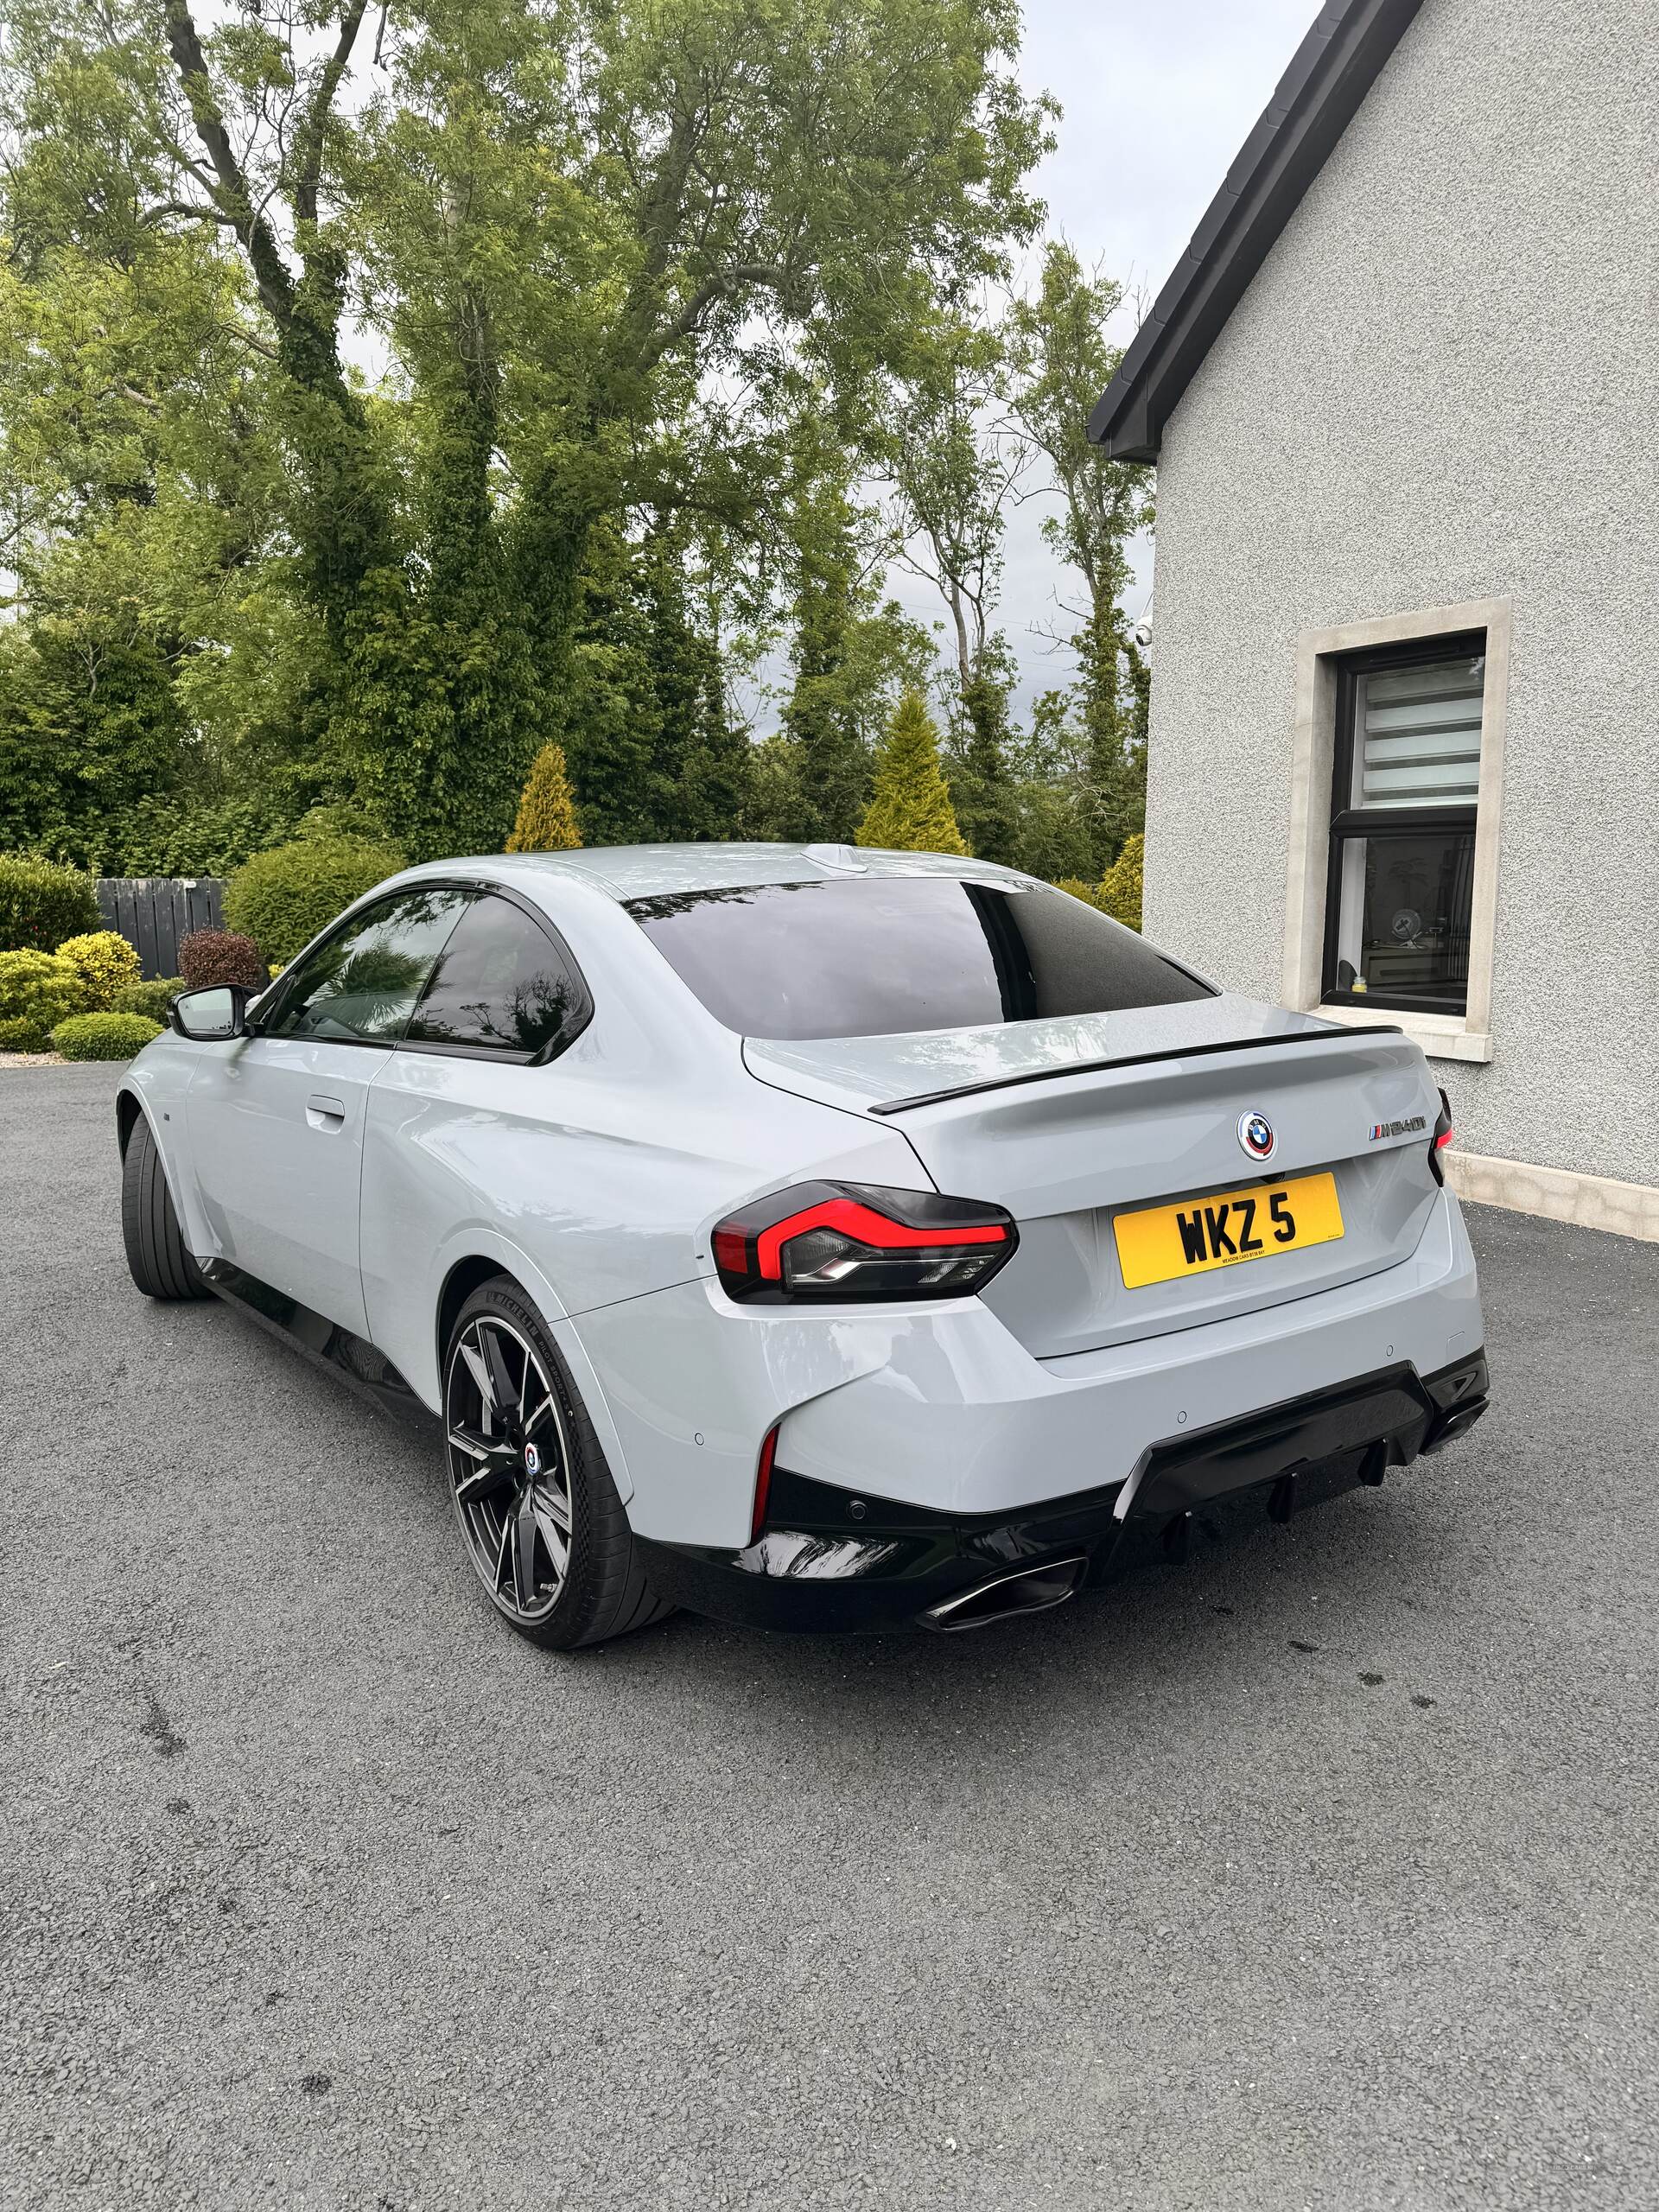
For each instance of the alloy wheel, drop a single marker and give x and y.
(508, 1467)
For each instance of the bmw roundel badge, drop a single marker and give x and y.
(1255, 1134)
(532, 1461)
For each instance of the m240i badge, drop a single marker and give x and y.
(1409, 1128)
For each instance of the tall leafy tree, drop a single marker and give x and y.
(1060, 361)
(957, 472)
(570, 226)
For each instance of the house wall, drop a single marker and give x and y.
(1440, 387)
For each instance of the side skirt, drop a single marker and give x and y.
(350, 1358)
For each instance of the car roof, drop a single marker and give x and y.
(649, 871)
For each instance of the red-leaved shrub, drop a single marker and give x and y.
(210, 956)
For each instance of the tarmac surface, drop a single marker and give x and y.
(1319, 1872)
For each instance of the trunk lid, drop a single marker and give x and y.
(1068, 1123)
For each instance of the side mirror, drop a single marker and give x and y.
(210, 1017)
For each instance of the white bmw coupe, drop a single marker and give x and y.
(816, 1237)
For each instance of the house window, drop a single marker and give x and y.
(1407, 761)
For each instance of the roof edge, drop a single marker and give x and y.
(1328, 75)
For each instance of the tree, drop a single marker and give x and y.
(956, 473)
(910, 809)
(547, 812)
(579, 233)
(1060, 362)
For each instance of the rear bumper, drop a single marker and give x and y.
(832, 1562)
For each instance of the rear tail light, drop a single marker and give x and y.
(853, 1240)
(1443, 1135)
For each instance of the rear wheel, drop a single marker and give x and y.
(157, 1257)
(538, 1513)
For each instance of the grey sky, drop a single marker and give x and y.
(1159, 97)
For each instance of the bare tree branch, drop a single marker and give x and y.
(270, 271)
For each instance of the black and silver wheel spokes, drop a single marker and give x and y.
(509, 1466)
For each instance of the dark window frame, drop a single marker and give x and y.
(475, 887)
(1378, 823)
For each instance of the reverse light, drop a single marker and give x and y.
(1443, 1135)
(855, 1241)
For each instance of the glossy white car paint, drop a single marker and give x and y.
(357, 1179)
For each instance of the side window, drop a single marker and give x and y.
(360, 985)
(501, 984)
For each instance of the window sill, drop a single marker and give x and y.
(1441, 1036)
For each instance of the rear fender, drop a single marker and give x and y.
(424, 1371)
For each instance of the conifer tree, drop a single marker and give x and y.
(910, 810)
(547, 812)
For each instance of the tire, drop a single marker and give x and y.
(530, 1484)
(157, 1257)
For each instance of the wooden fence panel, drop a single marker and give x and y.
(154, 912)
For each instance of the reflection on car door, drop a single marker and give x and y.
(276, 1119)
(458, 1131)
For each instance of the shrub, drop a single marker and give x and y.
(37, 991)
(1118, 892)
(210, 956)
(282, 897)
(106, 964)
(1120, 888)
(103, 1036)
(547, 809)
(151, 998)
(910, 808)
(42, 902)
(1089, 893)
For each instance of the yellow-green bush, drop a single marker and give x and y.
(103, 1036)
(547, 808)
(37, 991)
(1118, 892)
(1121, 885)
(106, 964)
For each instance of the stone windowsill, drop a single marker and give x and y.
(1442, 1036)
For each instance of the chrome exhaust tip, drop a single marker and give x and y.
(1025, 1590)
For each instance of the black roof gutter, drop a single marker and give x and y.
(1333, 68)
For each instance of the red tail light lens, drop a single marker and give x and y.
(1443, 1135)
(852, 1240)
(763, 1482)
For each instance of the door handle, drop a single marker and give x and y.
(325, 1113)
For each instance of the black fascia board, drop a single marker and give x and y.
(1331, 70)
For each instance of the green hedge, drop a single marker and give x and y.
(151, 998)
(282, 897)
(103, 1036)
(37, 991)
(42, 902)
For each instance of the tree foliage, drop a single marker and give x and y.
(546, 820)
(910, 808)
(388, 396)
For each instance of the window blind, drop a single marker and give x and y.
(1420, 733)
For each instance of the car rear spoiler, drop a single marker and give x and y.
(1139, 1060)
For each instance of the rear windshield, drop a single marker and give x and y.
(875, 956)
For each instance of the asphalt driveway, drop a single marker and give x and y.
(1320, 1872)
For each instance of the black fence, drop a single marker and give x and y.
(154, 912)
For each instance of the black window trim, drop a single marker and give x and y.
(1382, 822)
(479, 888)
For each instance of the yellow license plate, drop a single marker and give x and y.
(1163, 1243)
